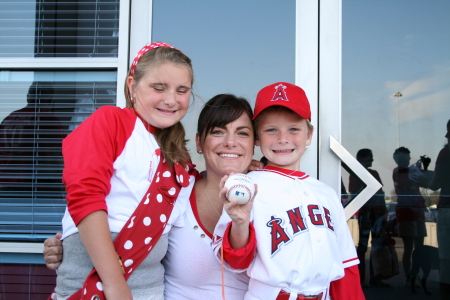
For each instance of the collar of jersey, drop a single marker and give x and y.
(149, 127)
(285, 172)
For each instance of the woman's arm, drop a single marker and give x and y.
(240, 215)
(239, 239)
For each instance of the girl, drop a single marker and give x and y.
(127, 178)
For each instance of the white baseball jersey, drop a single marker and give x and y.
(303, 241)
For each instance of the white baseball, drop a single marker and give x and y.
(240, 188)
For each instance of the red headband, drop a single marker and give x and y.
(144, 50)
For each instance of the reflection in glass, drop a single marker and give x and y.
(32, 195)
(396, 74)
(371, 221)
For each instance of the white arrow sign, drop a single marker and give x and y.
(372, 184)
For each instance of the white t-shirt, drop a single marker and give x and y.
(192, 271)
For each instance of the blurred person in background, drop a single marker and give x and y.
(409, 210)
(441, 180)
(371, 216)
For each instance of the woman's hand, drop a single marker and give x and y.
(53, 251)
(240, 215)
(255, 165)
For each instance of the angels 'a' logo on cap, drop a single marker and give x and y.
(280, 93)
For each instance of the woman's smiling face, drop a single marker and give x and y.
(228, 149)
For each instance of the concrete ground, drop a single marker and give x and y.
(398, 290)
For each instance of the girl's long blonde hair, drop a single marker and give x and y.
(171, 140)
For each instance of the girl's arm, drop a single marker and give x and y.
(96, 237)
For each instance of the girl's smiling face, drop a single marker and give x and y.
(162, 94)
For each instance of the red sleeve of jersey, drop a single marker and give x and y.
(89, 153)
(348, 287)
(239, 258)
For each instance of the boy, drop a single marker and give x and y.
(302, 240)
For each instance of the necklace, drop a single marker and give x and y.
(207, 195)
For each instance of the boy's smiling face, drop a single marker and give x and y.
(283, 137)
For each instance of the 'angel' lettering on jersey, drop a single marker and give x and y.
(298, 224)
(316, 218)
(328, 218)
(296, 220)
(278, 233)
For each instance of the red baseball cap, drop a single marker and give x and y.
(283, 94)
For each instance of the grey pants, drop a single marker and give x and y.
(146, 282)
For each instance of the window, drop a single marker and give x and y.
(35, 116)
(59, 61)
(70, 28)
(395, 90)
(45, 92)
(239, 57)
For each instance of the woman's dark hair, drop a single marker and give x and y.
(219, 111)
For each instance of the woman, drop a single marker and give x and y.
(441, 180)
(225, 137)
